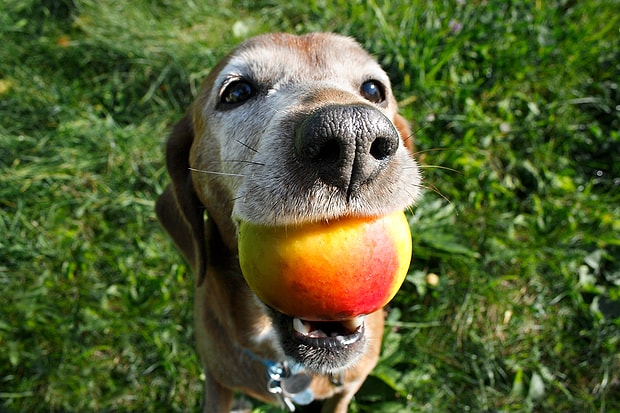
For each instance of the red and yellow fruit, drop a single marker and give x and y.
(334, 270)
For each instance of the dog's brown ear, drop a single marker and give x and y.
(405, 131)
(178, 208)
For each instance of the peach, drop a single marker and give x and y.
(327, 271)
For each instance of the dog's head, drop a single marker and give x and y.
(286, 130)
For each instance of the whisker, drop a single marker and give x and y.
(410, 209)
(245, 162)
(434, 189)
(439, 167)
(433, 150)
(407, 138)
(421, 126)
(214, 172)
(247, 146)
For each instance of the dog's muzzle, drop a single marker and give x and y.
(348, 145)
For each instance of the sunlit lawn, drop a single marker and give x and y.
(512, 303)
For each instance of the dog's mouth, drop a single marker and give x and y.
(330, 334)
(322, 346)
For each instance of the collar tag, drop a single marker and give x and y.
(290, 383)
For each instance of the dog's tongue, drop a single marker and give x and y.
(327, 271)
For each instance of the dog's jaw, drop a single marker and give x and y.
(323, 348)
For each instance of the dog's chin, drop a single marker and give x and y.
(321, 347)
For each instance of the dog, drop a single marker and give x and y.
(285, 130)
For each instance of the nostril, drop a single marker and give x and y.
(328, 152)
(382, 148)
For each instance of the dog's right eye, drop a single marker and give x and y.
(237, 92)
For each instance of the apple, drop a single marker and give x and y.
(327, 271)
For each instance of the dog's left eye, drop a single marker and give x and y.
(237, 92)
(373, 91)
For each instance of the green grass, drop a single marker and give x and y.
(517, 116)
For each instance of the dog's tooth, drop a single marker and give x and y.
(354, 323)
(300, 326)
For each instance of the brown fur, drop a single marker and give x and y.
(233, 328)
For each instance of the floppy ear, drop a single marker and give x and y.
(405, 131)
(178, 208)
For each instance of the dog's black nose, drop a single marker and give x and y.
(347, 146)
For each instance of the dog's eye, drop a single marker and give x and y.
(237, 92)
(373, 91)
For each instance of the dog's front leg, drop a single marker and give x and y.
(224, 342)
(217, 398)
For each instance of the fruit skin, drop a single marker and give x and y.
(326, 271)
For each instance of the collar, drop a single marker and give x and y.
(290, 381)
